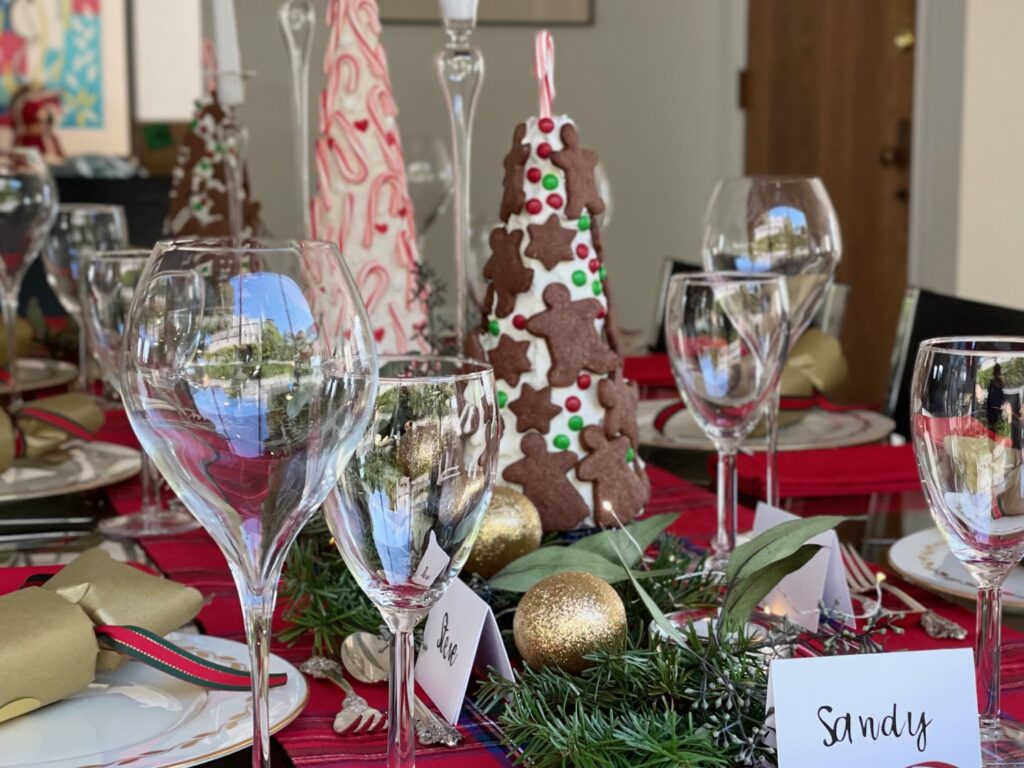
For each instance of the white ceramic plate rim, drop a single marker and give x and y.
(877, 426)
(61, 487)
(220, 727)
(63, 372)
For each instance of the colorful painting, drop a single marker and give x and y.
(76, 48)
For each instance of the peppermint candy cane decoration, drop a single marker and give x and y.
(544, 70)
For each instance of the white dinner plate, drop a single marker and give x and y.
(920, 558)
(39, 373)
(818, 429)
(139, 717)
(87, 466)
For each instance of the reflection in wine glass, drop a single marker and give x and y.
(727, 336)
(410, 502)
(428, 170)
(966, 413)
(28, 203)
(249, 391)
(78, 229)
(780, 224)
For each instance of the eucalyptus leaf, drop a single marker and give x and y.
(524, 572)
(744, 595)
(621, 540)
(659, 617)
(775, 544)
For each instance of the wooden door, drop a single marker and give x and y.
(828, 92)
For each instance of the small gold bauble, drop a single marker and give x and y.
(566, 616)
(511, 529)
(419, 450)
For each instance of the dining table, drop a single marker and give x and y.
(679, 485)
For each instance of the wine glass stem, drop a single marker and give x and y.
(149, 480)
(82, 383)
(10, 315)
(257, 610)
(987, 652)
(401, 731)
(771, 418)
(725, 539)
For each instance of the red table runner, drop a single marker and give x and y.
(195, 560)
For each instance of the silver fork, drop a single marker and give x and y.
(356, 714)
(861, 578)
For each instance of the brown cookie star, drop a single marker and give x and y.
(508, 276)
(573, 340)
(578, 164)
(619, 397)
(544, 477)
(509, 359)
(550, 243)
(514, 197)
(534, 409)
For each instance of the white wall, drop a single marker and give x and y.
(166, 59)
(652, 86)
(967, 212)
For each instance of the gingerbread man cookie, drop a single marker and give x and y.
(543, 476)
(572, 338)
(505, 270)
(619, 491)
(514, 197)
(619, 397)
(578, 164)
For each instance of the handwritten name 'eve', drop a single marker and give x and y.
(842, 728)
(449, 651)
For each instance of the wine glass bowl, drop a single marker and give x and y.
(411, 500)
(28, 203)
(727, 335)
(428, 170)
(248, 375)
(967, 430)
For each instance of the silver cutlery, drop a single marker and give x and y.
(861, 579)
(365, 657)
(356, 715)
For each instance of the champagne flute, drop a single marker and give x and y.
(780, 224)
(249, 374)
(109, 281)
(727, 335)
(28, 203)
(77, 229)
(410, 503)
(969, 457)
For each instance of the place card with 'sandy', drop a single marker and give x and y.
(821, 580)
(460, 632)
(886, 710)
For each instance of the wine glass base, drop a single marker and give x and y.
(143, 525)
(1002, 742)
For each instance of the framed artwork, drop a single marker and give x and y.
(519, 12)
(79, 49)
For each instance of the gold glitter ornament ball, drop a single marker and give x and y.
(511, 529)
(566, 616)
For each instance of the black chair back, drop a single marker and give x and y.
(927, 315)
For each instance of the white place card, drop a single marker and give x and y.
(891, 710)
(821, 581)
(461, 631)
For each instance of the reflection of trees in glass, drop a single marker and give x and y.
(1012, 372)
(780, 230)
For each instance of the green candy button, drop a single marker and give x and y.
(584, 224)
(630, 455)
(503, 398)
(492, 326)
(550, 182)
(561, 442)
(579, 277)
(602, 273)
(576, 423)
(596, 287)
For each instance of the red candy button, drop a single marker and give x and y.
(534, 206)
(533, 175)
(582, 251)
(546, 124)
(572, 404)
(601, 314)
(555, 201)
(583, 382)
(594, 265)
(519, 322)
(544, 150)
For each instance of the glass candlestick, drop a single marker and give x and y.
(460, 68)
(298, 22)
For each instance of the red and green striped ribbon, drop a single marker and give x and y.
(159, 653)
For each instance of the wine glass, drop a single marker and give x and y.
(727, 335)
(77, 229)
(108, 283)
(428, 170)
(410, 502)
(780, 224)
(28, 203)
(966, 410)
(249, 374)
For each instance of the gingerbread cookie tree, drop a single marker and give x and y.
(570, 418)
(362, 199)
(199, 203)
